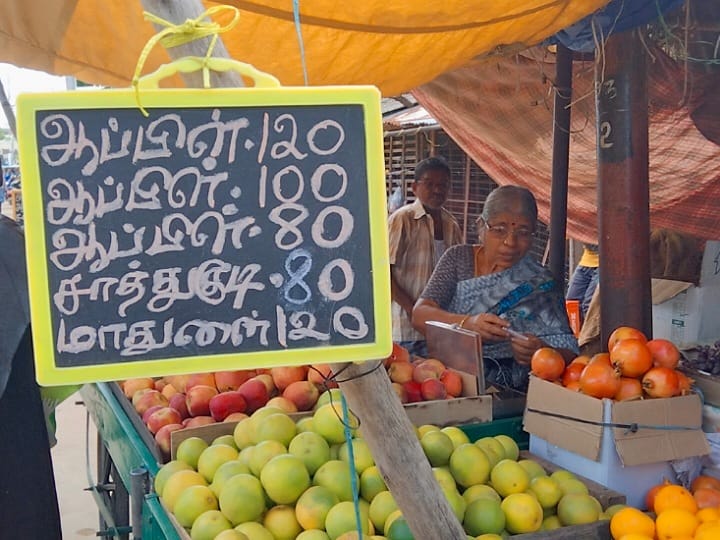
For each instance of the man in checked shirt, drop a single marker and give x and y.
(420, 233)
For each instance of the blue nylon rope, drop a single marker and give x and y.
(298, 30)
(353, 471)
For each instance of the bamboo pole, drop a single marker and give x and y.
(385, 426)
(8, 110)
(398, 454)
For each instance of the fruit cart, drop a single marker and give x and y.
(128, 458)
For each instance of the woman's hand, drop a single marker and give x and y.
(489, 326)
(523, 349)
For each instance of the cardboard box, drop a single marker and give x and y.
(576, 432)
(709, 385)
(575, 421)
(692, 316)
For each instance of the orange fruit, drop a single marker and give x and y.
(652, 492)
(705, 515)
(631, 521)
(708, 531)
(673, 496)
(675, 522)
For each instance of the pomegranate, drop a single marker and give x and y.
(547, 363)
(661, 382)
(630, 388)
(600, 380)
(664, 353)
(624, 332)
(631, 357)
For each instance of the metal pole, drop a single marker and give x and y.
(560, 159)
(139, 486)
(623, 185)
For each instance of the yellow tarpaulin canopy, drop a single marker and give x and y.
(396, 45)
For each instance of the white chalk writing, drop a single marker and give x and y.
(212, 229)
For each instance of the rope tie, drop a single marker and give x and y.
(173, 35)
(633, 427)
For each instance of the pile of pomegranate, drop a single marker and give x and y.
(634, 368)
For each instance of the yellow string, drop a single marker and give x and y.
(179, 34)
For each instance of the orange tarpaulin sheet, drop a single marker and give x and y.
(394, 45)
(500, 113)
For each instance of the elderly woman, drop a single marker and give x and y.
(495, 287)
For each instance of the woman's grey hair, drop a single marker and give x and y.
(510, 199)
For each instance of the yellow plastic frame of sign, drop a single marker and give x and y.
(49, 374)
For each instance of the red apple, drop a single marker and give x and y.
(178, 381)
(427, 369)
(148, 399)
(453, 382)
(231, 380)
(178, 402)
(200, 379)
(267, 380)
(197, 421)
(414, 393)
(255, 393)
(282, 403)
(235, 417)
(130, 386)
(168, 390)
(163, 417)
(303, 394)
(400, 391)
(162, 438)
(401, 372)
(225, 403)
(320, 374)
(198, 398)
(285, 376)
(398, 354)
(432, 389)
(148, 412)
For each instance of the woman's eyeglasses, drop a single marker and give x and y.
(501, 232)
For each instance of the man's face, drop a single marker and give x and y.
(432, 188)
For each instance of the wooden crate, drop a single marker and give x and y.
(600, 530)
(606, 497)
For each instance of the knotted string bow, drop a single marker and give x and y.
(173, 35)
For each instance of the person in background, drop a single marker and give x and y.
(495, 286)
(28, 500)
(420, 233)
(585, 278)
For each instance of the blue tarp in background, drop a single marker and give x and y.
(617, 16)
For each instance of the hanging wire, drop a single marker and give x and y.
(301, 43)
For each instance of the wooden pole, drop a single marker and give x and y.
(623, 185)
(8, 110)
(179, 12)
(385, 426)
(391, 438)
(560, 160)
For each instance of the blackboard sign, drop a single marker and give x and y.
(229, 229)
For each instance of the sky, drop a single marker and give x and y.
(18, 80)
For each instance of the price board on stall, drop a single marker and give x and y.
(227, 229)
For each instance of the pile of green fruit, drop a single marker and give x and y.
(277, 479)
